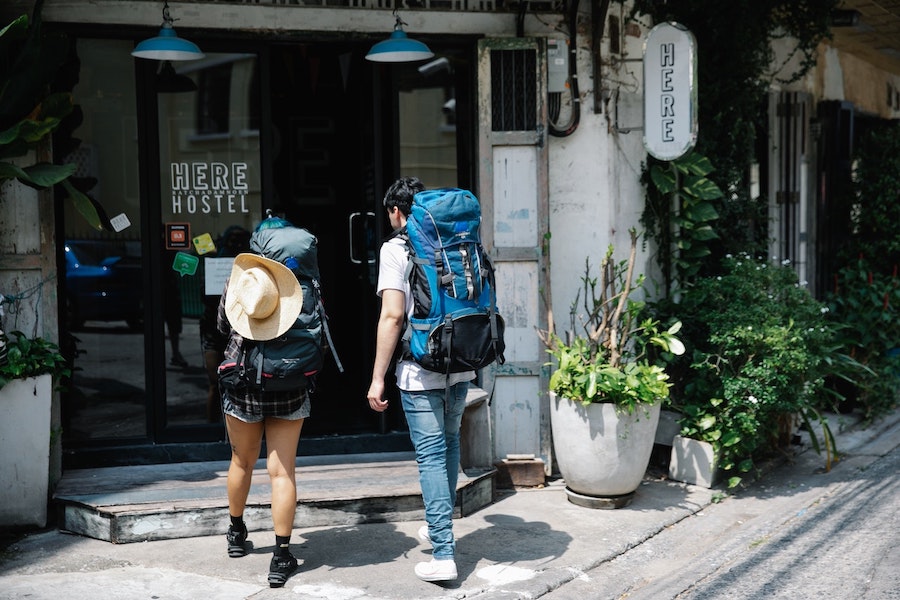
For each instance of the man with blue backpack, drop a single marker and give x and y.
(440, 345)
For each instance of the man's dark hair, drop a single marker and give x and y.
(401, 193)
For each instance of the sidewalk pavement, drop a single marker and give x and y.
(527, 544)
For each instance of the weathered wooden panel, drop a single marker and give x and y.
(27, 258)
(517, 300)
(517, 416)
(515, 196)
(19, 219)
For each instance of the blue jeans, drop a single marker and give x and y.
(434, 417)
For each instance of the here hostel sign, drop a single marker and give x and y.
(204, 188)
(670, 91)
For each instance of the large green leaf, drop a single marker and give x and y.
(700, 212)
(704, 233)
(43, 174)
(695, 164)
(29, 131)
(663, 180)
(84, 205)
(10, 171)
(701, 187)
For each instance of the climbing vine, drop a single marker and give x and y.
(736, 66)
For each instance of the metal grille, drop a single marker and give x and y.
(791, 144)
(513, 90)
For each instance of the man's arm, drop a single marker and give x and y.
(390, 328)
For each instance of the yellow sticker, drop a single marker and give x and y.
(204, 244)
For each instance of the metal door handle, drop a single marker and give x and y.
(354, 217)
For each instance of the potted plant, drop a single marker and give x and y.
(761, 347)
(28, 369)
(607, 385)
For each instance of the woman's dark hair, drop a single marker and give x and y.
(401, 193)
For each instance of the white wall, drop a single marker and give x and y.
(595, 190)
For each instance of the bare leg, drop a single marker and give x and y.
(282, 437)
(246, 439)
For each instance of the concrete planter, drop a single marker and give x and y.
(25, 451)
(694, 462)
(602, 455)
(668, 427)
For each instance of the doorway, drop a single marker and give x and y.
(310, 131)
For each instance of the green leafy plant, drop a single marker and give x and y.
(873, 210)
(30, 112)
(761, 349)
(619, 357)
(865, 307)
(30, 357)
(681, 214)
(731, 111)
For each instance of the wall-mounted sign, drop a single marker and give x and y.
(670, 91)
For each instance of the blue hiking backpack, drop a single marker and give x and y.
(290, 361)
(455, 325)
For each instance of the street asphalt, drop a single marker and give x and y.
(529, 543)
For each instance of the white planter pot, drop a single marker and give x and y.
(25, 451)
(694, 462)
(668, 427)
(601, 454)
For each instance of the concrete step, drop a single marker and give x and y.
(153, 502)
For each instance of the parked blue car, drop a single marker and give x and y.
(102, 284)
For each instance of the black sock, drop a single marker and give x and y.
(282, 545)
(237, 523)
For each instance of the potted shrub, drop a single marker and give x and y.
(28, 369)
(607, 385)
(761, 347)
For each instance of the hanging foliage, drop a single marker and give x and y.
(736, 67)
(30, 112)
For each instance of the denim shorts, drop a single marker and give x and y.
(230, 409)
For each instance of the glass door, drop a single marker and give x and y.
(311, 131)
(210, 199)
(102, 300)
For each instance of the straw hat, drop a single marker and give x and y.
(263, 298)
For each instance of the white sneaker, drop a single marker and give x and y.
(436, 570)
(423, 533)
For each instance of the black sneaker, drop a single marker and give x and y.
(237, 539)
(280, 569)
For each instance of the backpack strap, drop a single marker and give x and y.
(488, 273)
(259, 368)
(323, 317)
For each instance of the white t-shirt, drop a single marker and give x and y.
(411, 377)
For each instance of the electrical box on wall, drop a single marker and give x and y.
(557, 65)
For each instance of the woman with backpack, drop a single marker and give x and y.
(261, 302)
